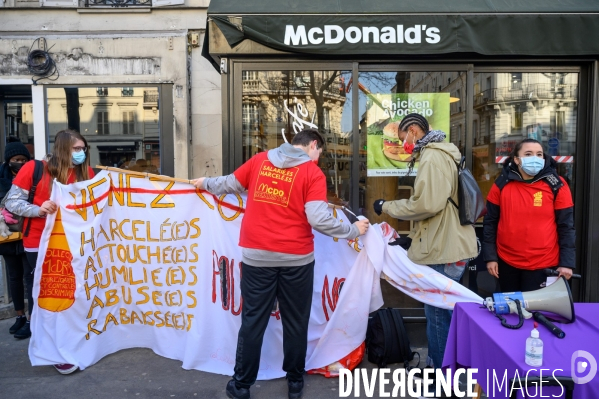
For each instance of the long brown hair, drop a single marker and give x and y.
(61, 160)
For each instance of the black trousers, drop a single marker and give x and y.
(32, 260)
(18, 268)
(512, 279)
(260, 286)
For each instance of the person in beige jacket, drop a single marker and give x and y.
(438, 239)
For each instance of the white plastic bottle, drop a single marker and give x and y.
(534, 348)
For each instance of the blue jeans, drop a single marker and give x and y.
(438, 320)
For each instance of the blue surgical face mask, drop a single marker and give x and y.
(532, 165)
(78, 157)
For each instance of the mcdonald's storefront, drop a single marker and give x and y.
(489, 74)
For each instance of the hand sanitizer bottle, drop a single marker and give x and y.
(534, 348)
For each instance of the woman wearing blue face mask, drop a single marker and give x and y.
(67, 164)
(529, 225)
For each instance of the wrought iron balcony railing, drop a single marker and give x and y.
(532, 92)
(150, 96)
(118, 3)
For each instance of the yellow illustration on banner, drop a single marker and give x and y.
(57, 285)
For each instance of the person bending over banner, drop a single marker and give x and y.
(67, 164)
(438, 239)
(287, 197)
(529, 225)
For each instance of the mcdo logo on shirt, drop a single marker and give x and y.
(538, 199)
(274, 185)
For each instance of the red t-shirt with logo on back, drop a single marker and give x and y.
(527, 232)
(24, 180)
(275, 218)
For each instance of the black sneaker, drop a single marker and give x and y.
(20, 322)
(237, 393)
(24, 332)
(296, 389)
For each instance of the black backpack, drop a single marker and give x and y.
(386, 339)
(470, 198)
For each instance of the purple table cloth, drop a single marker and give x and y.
(478, 340)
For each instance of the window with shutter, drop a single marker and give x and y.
(103, 122)
(128, 122)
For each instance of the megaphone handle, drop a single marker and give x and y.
(550, 326)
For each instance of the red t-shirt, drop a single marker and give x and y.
(24, 180)
(527, 232)
(275, 218)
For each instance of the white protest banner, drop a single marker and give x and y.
(130, 261)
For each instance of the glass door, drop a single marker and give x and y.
(16, 115)
(513, 104)
(277, 104)
(386, 96)
(510, 106)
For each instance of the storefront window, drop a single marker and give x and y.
(278, 104)
(121, 124)
(385, 98)
(517, 105)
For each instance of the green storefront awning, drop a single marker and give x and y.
(387, 27)
(246, 7)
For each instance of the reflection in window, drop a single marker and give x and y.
(518, 110)
(516, 81)
(127, 92)
(326, 123)
(277, 104)
(540, 106)
(121, 133)
(128, 122)
(103, 123)
(18, 123)
(249, 75)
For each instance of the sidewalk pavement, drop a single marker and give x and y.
(139, 373)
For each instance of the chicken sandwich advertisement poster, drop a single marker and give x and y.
(384, 112)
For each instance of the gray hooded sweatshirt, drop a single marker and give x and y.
(317, 212)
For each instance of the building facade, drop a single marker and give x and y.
(127, 74)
